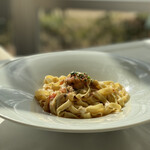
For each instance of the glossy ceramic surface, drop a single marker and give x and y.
(19, 80)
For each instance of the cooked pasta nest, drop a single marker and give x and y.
(78, 96)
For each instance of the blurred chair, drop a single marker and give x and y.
(24, 14)
(4, 55)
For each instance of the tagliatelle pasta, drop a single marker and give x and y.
(79, 96)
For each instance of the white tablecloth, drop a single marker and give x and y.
(14, 136)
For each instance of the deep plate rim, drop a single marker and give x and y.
(77, 130)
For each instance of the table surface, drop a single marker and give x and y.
(14, 136)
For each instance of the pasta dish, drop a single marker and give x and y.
(78, 96)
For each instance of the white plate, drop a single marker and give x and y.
(21, 78)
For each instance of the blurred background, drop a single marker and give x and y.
(30, 26)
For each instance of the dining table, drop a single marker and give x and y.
(15, 136)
